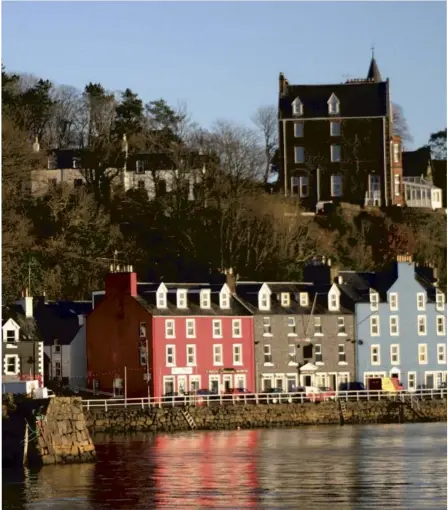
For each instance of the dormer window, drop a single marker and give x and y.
(264, 303)
(140, 166)
(205, 298)
(333, 302)
(303, 297)
(285, 299)
(181, 298)
(224, 299)
(440, 301)
(297, 107)
(374, 300)
(333, 105)
(10, 331)
(161, 297)
(10, 336)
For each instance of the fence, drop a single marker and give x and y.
(264, 398)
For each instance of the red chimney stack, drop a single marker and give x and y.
(122, 282)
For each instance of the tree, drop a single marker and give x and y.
(265, 119)
(400, 125)
(437, 144)
(129, 117)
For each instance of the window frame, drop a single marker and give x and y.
(205, 299)
(189, 322)
(292, 358)
(397, 325)
(14, 357)
(217, 322)
(317, 323)
(302, 124)
(377, 318)
(441, 332)
(181, 299)
(239, 333)
(393, 301)
(194, 362)
(396, 354)
(374, 300)
(334, 153)
(318, 352)
(378, 355)
(425, 352)
(332, 124)
(267, 327)
(172, 355)
(167, 327)
(422, 307)
(342, 356)
(304, 300)
(298, 160)
(236, 347)
(440, 301)
(285, 299)
(269, 348)
(425, 322)
(218, 348)
(224, 300)
(441, 349)
(161, 303)
(292, 326)
(342, 330)
(333, 188)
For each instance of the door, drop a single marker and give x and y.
(168, 385)
(240, 381)
(306, 380)
(291, 384)
(227, 379)
(333, 382)
(181, 384)
(195, 383)
(429, 381)
(267, 383)
(214, 383)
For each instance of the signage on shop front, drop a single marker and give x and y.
(181, 370)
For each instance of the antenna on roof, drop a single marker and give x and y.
(373, 50)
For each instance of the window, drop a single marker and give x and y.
(421, 325)
(393, 301)
(58, 369)
(335, 153)
(421, 301)
(12, 367)
(76, 162)
(291, 326)
(422, 354)
(393, 325)
(335, 128)
(161, 187)
(191, 355)
(374, 300)
(170, 358)
(217, 354)
(334, 301)
(267, 354)
(52, 163)
(299, 186)
(441, 354)
(141, 184)
(285, 299)
(263, 301)
(307, 352)
(77, 183)
(336, 186)
(299, 154)
(333, 105)
(440, 301)
(374, 325)
(396, 153)
(205, 298)
(441, 325)
(140, 167)
(10, 335)
(395, 354)
(317, 326)
(217, 329)
(169, 328)
(297, 107)
(237, 354)
(292, 354)
(341, 354)
(181, 298)
(224, 300)
(318, 353)
(266, 326)
(375, 358)
(142, 330)
(56, 347)
(298, 129)
(161, 299)
(397, 185)
(412, 380)
(341, 326)
(236, 328)
(143, 356)
(191, 328)
(303, 299)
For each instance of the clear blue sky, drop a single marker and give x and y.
(223, 59)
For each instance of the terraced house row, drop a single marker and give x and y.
(154, 339)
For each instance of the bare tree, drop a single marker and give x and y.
(400, 125)
(68, 119)
(266, 120)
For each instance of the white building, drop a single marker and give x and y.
(420, 192)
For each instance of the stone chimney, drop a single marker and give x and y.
(27, 304)
(36, 145)
(282, 85)
(231, 279)
(334, 272)
(122, 282)
(405, 266)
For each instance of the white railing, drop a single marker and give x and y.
(264, 398)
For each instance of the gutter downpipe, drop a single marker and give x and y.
(285, 179)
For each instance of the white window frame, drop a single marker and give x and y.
(11, 340)
(139, 166)
(297, 107)
(298, 133)
(333, 105)
(423, 350)
(264, 300)
(318, 326)
(335, 132)
(299, 154)
(343, 353)
(396, 152)
(292, 326)
(440, 301)
(393, 301)
(441, 354)
(378, 354)
(292, 362)
(336, 185)
(375, 319)
(170, 324)
(421, 301)
(304, 299)
(318, 352)
(333, 302)
(267, 347)
(394, 354)
(414, 380)
(181, 299)
(173, 355)
(374, 299)
(217, 351)
(393, 318)
(237, 351)
(192, 354)
(237, 328)
(169, 379)
(397, 185)
(424, 322)
(161, 299)
(335, 152)
(205, 298)
(285, 299)
(190, 324)
(342, 331)
(441, 320)
(224, 300)
(217, 328)
(267, 328)
(16, 359)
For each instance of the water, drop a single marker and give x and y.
(351, 467)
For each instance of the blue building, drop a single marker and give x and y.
(400, 324)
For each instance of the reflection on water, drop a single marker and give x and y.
(351, 467)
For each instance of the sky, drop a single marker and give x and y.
(223, 58)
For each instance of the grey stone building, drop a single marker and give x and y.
(303, 333)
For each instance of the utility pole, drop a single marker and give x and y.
(147, 369)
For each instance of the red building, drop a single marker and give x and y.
(185, 336)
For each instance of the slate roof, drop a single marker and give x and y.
(357, 99)
(374, 72)
(416, 163)
(28, 326)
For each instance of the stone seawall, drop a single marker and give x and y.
(57, 433)
(171, 419)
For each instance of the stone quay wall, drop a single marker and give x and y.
(171, 419)
(57, 433)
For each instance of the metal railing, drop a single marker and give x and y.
(264, 398)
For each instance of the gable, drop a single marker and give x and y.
(10, 325)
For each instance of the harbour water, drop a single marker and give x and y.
(350, 467)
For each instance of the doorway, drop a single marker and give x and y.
(227, 382)
(181, 384)
(333, 382)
